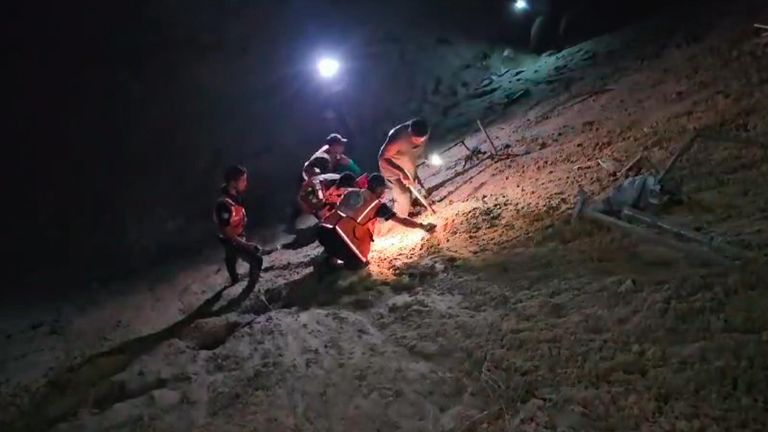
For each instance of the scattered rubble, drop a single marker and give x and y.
(506, 318)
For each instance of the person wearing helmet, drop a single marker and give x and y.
(347, 232)
(230, 218)
(403, 149)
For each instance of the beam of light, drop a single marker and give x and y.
(398, 241)
(435, 160)
(328, 67)
(520, 5)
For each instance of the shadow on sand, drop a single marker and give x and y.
(88, 383)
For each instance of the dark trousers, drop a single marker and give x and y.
(337, 248)
(233, 252)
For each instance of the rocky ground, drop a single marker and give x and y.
(508, 318)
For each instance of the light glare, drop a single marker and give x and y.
(520, 5)
(328, 67)
(435, 160)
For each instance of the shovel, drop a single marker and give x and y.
(421, 198)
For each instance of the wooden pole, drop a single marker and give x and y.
(465, 146)
(678, 154)
(493, 146)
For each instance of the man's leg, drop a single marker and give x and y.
(353, 262)
(402, 197)
(254, 260)
(329, 240)
(230, 261)
(337, 248)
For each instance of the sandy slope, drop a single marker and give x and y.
(505, 319)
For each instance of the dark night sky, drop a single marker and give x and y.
(124, 114)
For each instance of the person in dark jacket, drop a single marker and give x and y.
(231, 219)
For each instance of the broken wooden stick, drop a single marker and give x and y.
(711, 242)
(678, 154)
(631, 163)
(465, 146)
(582, 210)
(654, 168)
(493, 146)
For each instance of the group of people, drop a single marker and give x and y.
(346, 202)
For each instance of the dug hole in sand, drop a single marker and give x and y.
(507, 318)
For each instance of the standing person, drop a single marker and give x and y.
(330, 159)
(398, 157)
(230, 218)
(348, 231)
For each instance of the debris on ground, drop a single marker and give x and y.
(506, 318)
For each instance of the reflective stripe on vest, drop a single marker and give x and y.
(238, 219)
(354, 220)
(312, 194)
(334, 194)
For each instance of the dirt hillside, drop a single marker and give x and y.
(509, 317)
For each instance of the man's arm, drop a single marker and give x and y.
(226, 229)
(350, 165)
(385, 157)
(410, 223)
(404, 176)
(385, 212)
(229, 233)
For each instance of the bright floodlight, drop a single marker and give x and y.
(520, 5)
(435, 160)
(328, 67)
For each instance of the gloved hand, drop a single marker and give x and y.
(429, 227)
(254, 246)
(270, 250)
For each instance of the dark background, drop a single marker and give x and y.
(123, 115)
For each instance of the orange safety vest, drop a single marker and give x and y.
(332, 197)
(238, 219)
(354, 219)
(313, 192)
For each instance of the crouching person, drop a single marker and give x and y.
(230, 218)
(347, 232)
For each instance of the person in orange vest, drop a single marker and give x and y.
(319, 195)
(334, 193)
(231, 219)
(347, 232)
(398, 157)
(312, 193)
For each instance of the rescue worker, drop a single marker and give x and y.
(330, 158)
(230, 218)
(347, 232)
(398, 157)
(334, 194)
(312, 193)
(320, 194)
(318, 197)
